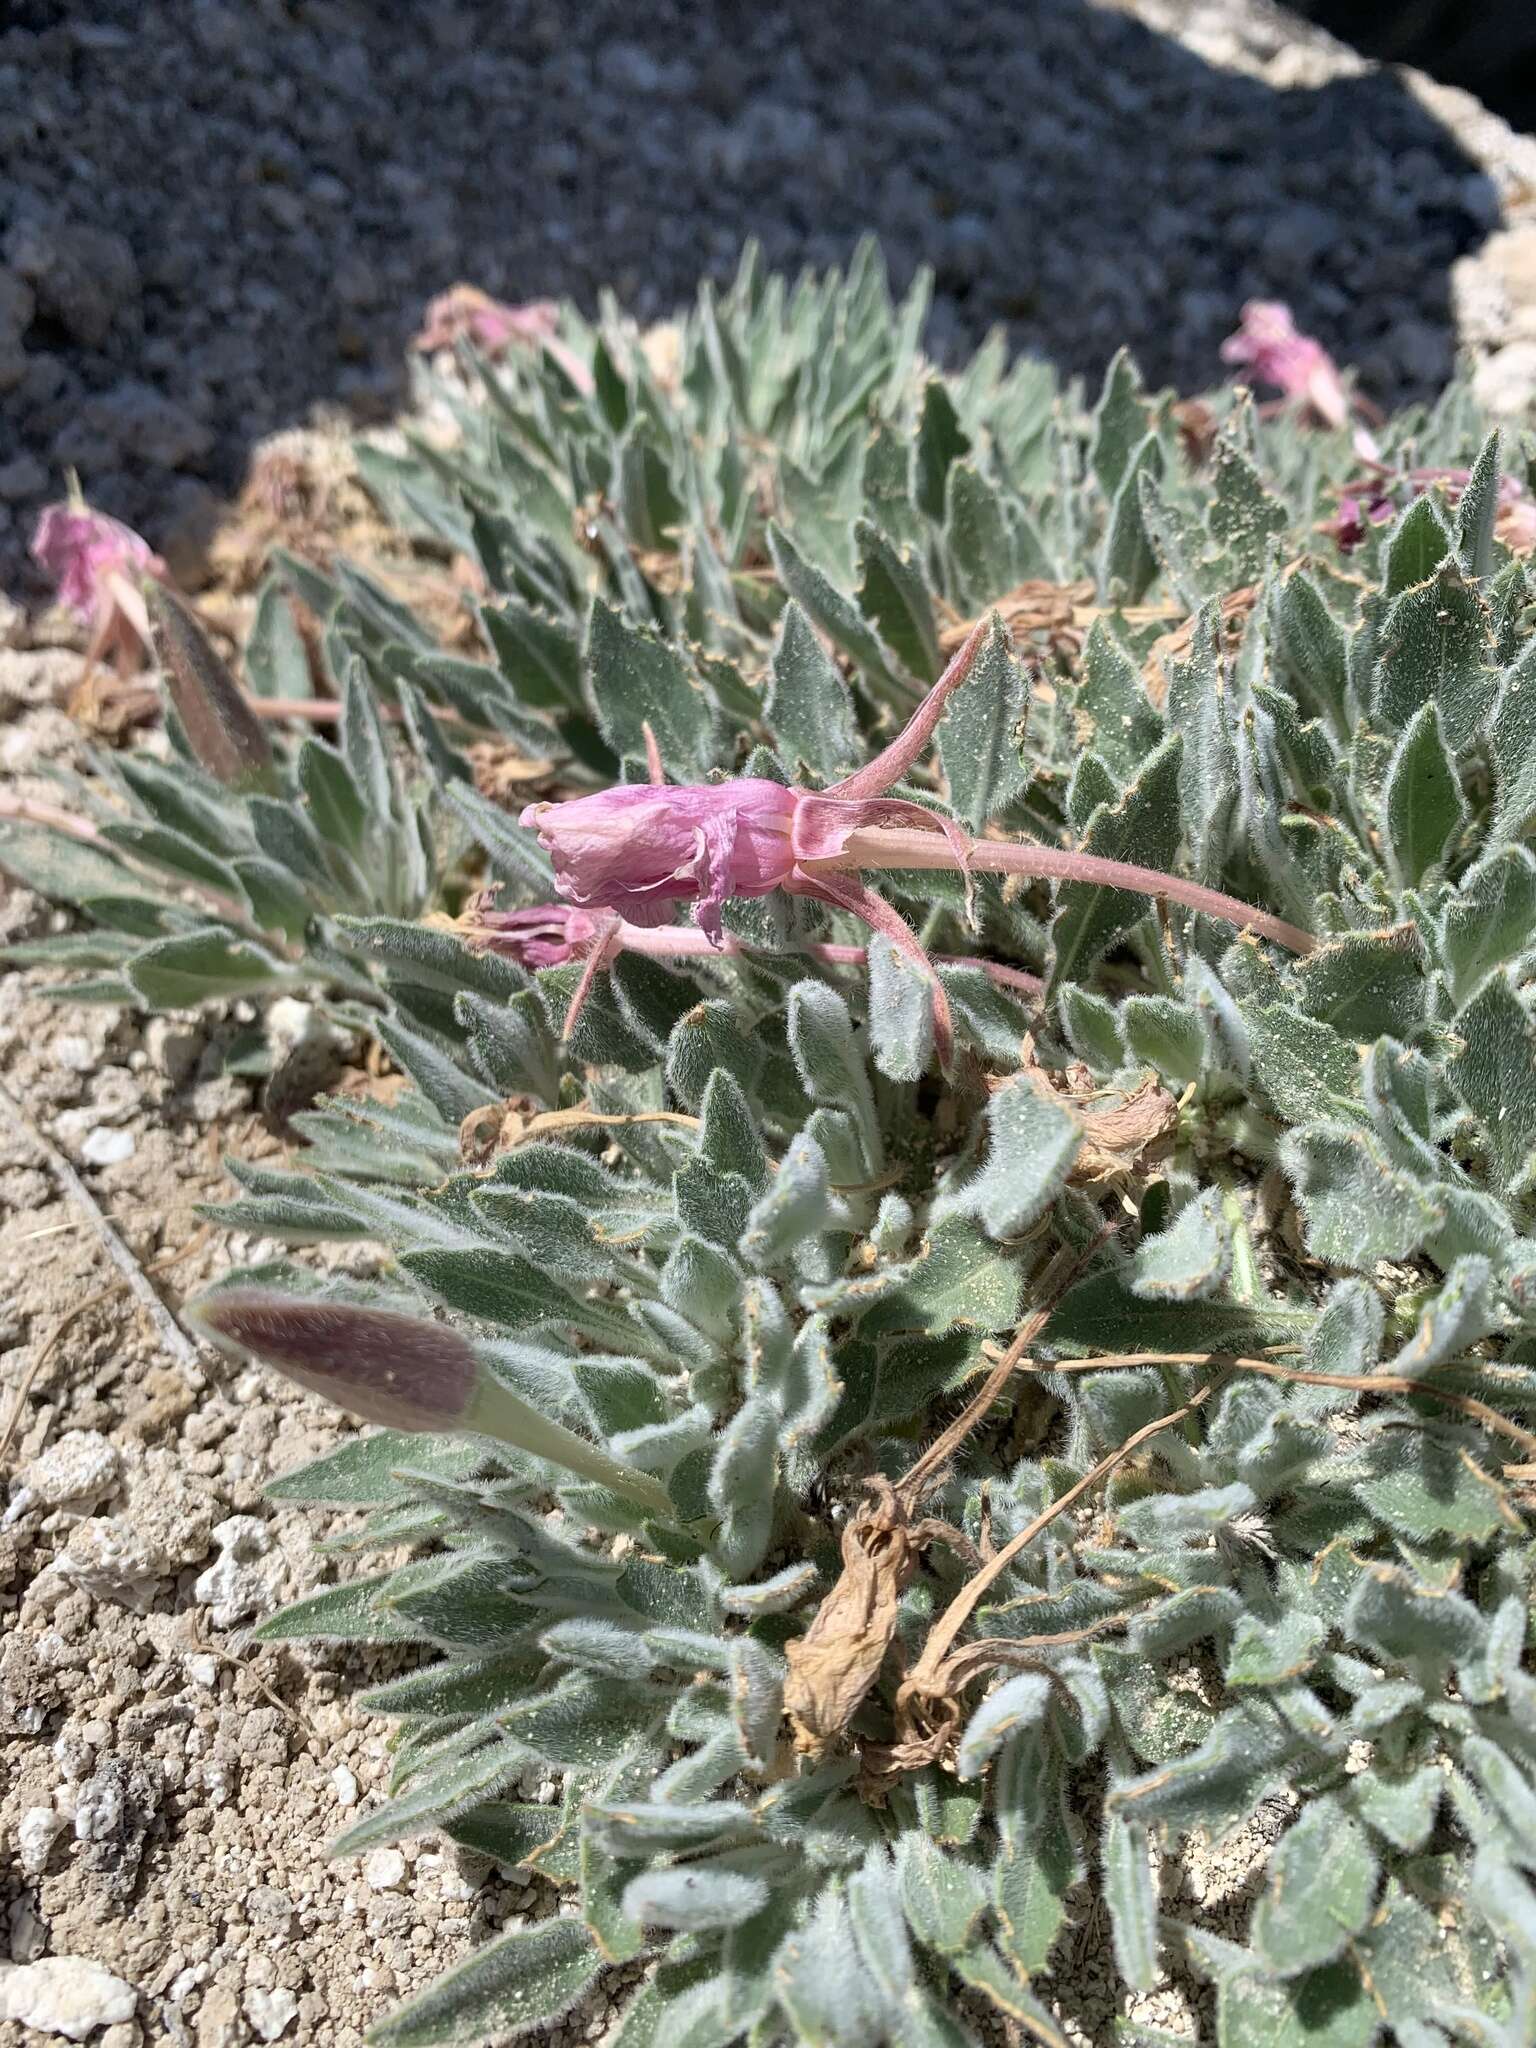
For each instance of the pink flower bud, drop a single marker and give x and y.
(638, 849)
(393, 1369)
(406, 1373)
(1268, 343)
(81, 550)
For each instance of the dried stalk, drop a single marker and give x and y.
(1360, 1383)
(835, 1663)
(927, 1701)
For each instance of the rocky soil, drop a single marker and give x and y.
(168, 1786)
(216, 217)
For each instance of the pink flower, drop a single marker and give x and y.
(544, 935)
(466, 313)
(83, 551)
(1355, 518)
(1267, 342)
(639, 848)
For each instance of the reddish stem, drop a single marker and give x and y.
(900, 847)
(327, 711)
(686, 941)
(26, 810)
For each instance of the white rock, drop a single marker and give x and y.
(204, 1669)
(231, 1591)
(35, 1834)
(122, 1557)
(66, 1995)
(236, 1585)
(74, 1052)
(28, 1935)
(290, 1023)
(345, 1782)
(113, 1099)
(76, 1472)
(105, 1147)
(243, 1537)
(98, 1808)
(383, 1870)
(270, 2011)
(186, 1981)
(107, 1558)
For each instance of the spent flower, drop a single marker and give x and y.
(1268, 343)
(465, 313)
(640, 848)
(97, 566)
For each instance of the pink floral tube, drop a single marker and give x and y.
(636, 850)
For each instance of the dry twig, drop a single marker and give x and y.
(132, 1275)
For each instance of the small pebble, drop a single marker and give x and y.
(384, 1870)
(36, 1832)
(270, 2011)
(105, 1147)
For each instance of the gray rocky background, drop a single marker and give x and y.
(217, 215)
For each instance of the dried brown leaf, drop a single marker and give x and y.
(112, 706)
(1175, 646)
(834, 1664)
(1124, 1134)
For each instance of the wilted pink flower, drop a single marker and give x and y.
(1355, 518)
(1268, 343)
(636, 849)
(83, 550)
(552, 934)
(544, 935)
(464, 312)
(1376, 499)
(98, 565)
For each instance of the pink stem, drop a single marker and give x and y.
(327, 711)
(895, 847)
(27, 811)
(686, 941)
(894, 761)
